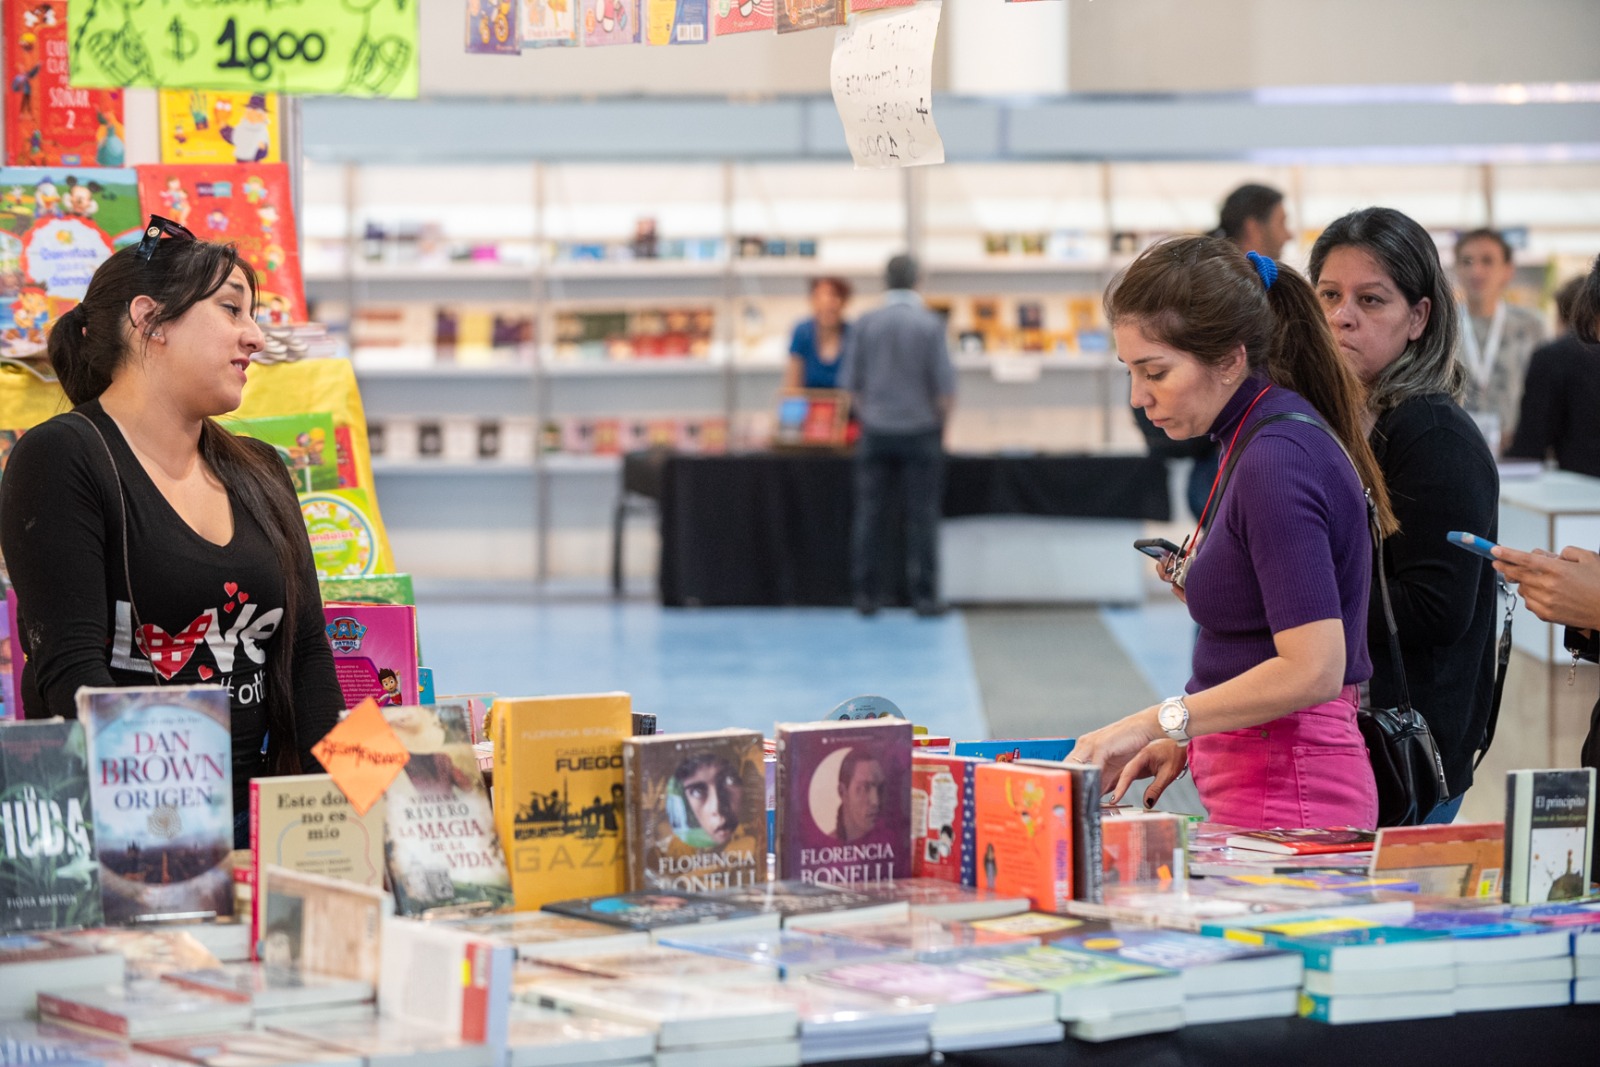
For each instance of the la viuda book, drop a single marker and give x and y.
(161, 786)
(696, 819)
(1549, 835)
(440, 845)
(844, 800)
(49, 877)
(559, 794)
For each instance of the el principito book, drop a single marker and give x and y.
(844, 801)
(696, 810)
(161, 785)
(440, 845)
(49, 876)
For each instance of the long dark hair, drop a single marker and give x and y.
(1200, 295)
(1408, 256)
(92, 341)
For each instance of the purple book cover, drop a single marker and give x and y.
(844, 801)
(610, 22)
(374, 652)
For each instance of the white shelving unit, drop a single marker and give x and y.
(548, 517)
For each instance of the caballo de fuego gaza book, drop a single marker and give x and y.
(161, 785)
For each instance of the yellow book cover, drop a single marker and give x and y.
(558, 794)
(208, 126)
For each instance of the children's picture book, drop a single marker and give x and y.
(57, 225)
(49, 874)
(317, 925)
(305, 823)
(1017, 748)
(1142, 847)
(440, 845)
(944, 830)
(1549, 835)
(559, 796)
(696, 819)
(48, 121)
(368, 589)
(608, 22)
(244, 204)
(161, 785)
(844, 800)
(374, 652)
(1025, 832)
(1455, 860)
(677, 21)
(212, 126)
(549, 23)
(795, 15)
(304, 442)
(742, 16)
(494, 27)
(1304, 842)
(1088, 853)
(343, 527)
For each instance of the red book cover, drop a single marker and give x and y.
(245, 203)
(48, 122)
(75, 1011)
(944, 833)
(1025, 833)
(1306, 842)
(1140, 847)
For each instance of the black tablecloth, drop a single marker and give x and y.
(774, 528)
(1544, 1036)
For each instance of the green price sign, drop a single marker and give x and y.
(337, 47)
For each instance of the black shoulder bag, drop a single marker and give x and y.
(1405, 758)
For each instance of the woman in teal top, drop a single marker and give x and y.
(818, 341)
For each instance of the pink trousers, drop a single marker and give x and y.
(1308, 769)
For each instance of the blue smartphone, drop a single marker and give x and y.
(1472, 543)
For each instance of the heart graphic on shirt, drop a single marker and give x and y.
(169, 653)
(205, 673)
(243, 597)
(230, 588)
(228, 607)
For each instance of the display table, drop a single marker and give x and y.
(774, 528)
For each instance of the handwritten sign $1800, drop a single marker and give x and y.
(337, 47)
(882, 76)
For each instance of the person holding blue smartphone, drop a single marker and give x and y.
(1386, 296)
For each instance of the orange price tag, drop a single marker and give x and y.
(362, 755)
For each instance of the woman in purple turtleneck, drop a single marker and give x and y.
(1278, 573)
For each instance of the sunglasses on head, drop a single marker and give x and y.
(152, 235)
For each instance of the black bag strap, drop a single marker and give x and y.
(1401, 689)
(1502, 660)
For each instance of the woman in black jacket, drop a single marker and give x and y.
(1384, 291)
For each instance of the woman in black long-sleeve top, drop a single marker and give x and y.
(1378, 276)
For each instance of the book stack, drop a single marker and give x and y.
(969, 1010)
(1500, 961)
(546, 935)
(930, 940)
(816, 904)
(792, 954)
(674, 965)
(141, 1010)
(385, 1041)
(1586, 967)
(666, 913)
(1356, 971)
(271, 992)
(931, 898)
(1100, 998)
(539, 1037)
(250, 1046)
(29, 964)
(694, 1026)
(1222, 980)
(839, 1024)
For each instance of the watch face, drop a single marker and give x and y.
(1171, 716)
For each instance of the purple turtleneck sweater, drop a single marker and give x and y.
(1289, 544)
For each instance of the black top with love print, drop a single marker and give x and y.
(206, 613)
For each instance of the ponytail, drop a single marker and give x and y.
(1200, 295)
(1302, 355)
(257, 478)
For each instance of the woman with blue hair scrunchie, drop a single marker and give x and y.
(1278, 571)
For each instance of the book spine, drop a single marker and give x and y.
(969, 825)
(1514, 883)
(83, 1014)
(634, 836)
(258, 904)
(787, 845)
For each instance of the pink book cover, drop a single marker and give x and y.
(611, 22)
(742, 16)
(844, 801)
(11, 670)
(374, 651)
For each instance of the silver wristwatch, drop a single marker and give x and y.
(1173, 717)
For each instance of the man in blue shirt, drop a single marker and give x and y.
(896, 367)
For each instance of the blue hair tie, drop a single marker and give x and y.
(1264, 267)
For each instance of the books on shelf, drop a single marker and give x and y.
(638, 333)
(559, 796)
(844, 800)
(49, 875)
(161, 786)
(30, 963)
(1024, 817)
(440, 845)
(695, 819)
(1549, 834)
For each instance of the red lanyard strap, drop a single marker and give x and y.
(1192, 544)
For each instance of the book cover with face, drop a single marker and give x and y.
(696, 818)
(844, 801)
(161, 780)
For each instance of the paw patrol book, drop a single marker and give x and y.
(374, 652)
